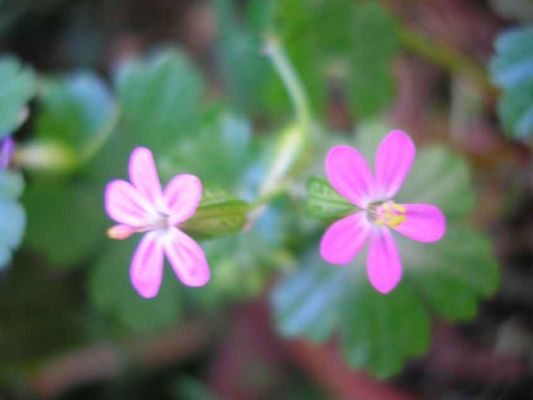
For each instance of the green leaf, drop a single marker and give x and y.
(11, 229)
(511, 69)
(111, 291)
(160, 99)
(219, 153)
(374, 45)
(78, 111)
(512, 64)
(324, 202)
(12, 214)
(11, 185)
(18, 87)
(219, 214)
(67, 224)
(245, 69)
(442, 178)
(377, 332)
(453, 273)
(515, 110)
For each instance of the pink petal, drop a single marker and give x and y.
(349, 173)
(182, 196)
(384, 267)
(344, 239)
(394, 158)
(146, 271)
(143, 174)
(186, 258)
(125, 204)
(423, 223)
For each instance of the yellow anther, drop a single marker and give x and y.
(390, 214)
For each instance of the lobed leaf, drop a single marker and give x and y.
(511, 68)
(160, 99)
(18, 87)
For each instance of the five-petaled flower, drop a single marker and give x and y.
(143, 206)
(7, 148)
(349, 174)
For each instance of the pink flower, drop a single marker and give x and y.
(349, 174)
(142, 206)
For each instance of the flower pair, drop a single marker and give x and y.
(142, 206)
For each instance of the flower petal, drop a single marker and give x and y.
(384, 267)
(7, 148)
(344, 239)
(423, 223)
(182, 196)
(394, 158)
(186, 258)
(125, 204)
(146, 271)
(349, 173)
(143, 174)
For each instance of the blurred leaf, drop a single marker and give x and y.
(511, 68)
(246, 70)
(77, 111)
(439, 177)
(454, 272)
(324, 202)
(111, 291)
(219, 214)
(190, 388)
(220, 153)
(160, 99)
(515, 110)
(375, 42)
(11, 185)
(18, 87)
(65, 223)
(12, 215)
(379, 332)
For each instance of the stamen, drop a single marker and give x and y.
(390, 214)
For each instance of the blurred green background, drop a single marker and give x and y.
(249, 95)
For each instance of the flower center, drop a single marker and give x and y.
(387, 213)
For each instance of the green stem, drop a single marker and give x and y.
(286, 72)
(293, 142)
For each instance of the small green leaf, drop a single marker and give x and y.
(110, 289)
(511, 68)
(219, 214)
(324, 202)
(77, 111)
(160, 99)
(17, 88)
